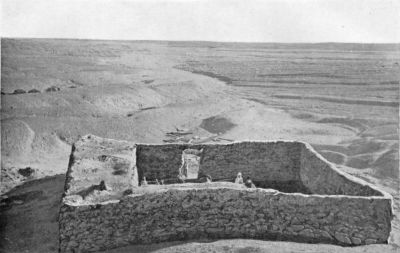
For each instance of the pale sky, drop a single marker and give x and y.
(376, 21)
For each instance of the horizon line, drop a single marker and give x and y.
(209, 41)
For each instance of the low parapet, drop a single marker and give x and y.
(114, 196)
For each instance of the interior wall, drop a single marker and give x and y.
(320, 177)
(268, 162)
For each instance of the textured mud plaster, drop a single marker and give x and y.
(338, 208)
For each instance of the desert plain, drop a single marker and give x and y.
(343, 99)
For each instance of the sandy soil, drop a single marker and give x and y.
(340, 100)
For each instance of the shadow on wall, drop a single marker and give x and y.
(285, 166)
(270, 165)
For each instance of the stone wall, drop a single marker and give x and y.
(274, 164)
(179, 214)
(321, 177)
(340, 208)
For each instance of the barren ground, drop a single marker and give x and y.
(341, 98)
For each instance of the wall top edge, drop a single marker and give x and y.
(266, 192)
(97, 138)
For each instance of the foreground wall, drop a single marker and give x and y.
(224, 213)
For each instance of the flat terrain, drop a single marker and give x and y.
(341, 98)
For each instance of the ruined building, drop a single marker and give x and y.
(119, 193)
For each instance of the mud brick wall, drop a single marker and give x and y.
(224, 213)
(264, 161)
(321, 177)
